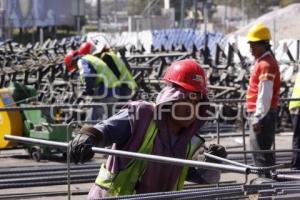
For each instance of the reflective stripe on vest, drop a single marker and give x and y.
(123, 183)
(104, 73)
(125, 75)
(193, 146)
(296, 93)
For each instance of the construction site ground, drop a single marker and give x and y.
(20, 157)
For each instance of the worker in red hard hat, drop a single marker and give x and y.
(104, 74)
(99, 47)
(85, 48)
(70, 60)
(167, 127)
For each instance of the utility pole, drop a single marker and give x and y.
(78, 17)
(98, 15)
(182, 8)
(205, 21)
(243, 12)
(195, 14)
(167, 4)
(225, 17)
(115, 15)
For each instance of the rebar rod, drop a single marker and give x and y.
(170, 193)
(48, 182)
(55, 177)
(41, 194)
(263, 151)
(281, 177)
(49, 173)
(43, 107)
(154, 158)
(253, 169)
(192, 195)
(288, 172)
(35, 169)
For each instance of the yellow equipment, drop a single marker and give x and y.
(11, 122)
(258, 32)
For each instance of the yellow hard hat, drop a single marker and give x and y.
(258, 32)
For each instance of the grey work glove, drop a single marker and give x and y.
(216, 150)
(81, 148)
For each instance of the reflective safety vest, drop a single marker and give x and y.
(107, 76)
(125, 75)
(124, 182)
(296, 93)
(104, 73)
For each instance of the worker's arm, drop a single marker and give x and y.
(263, 102)
(87, 72)
(115, 129)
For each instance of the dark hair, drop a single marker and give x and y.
(269, 48)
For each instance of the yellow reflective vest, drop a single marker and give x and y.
(295, 94)
(125, 74)
(124, 182)
(106, 76)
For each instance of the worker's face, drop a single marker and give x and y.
(257, 49)
(184, 112)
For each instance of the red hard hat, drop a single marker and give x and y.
(85, 48)
(188, 74)
(69, 59)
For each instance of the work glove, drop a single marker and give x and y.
(216, 150)
(81, 148)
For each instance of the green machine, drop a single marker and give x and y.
(39, 124)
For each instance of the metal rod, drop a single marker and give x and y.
(35, 169)
(226, 160)
(48, 173)
(218, 129)
(170, 193)
(287, 177)
(244, 134)
(241, 164)
(83, 179)
(264, 151)
(44, 107)
(212, 136)
(154, 158)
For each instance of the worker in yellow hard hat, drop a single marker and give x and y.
(262, 95)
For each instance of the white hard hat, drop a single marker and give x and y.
(99, 42)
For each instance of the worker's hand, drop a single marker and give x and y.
(216, 150)
(257, 127)
(81, 148)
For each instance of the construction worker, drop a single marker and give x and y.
(104, 75)
(166, 128)
(294, 107)
(262, 95)
(101, 49)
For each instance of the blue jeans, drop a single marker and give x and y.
(264, 139)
